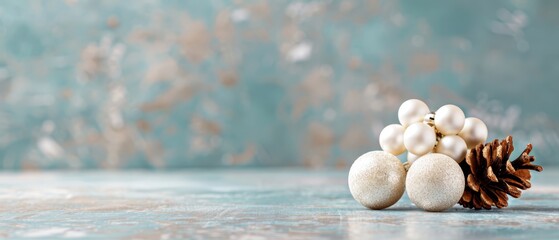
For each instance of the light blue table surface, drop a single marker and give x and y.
(247, 204)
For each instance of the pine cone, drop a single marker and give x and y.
(490, 176)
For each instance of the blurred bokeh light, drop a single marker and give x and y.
(171, 84)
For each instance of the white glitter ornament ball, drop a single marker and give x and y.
(474, 132)
(435, 182)
(376, 179)
(391, 139)
(449, 119)
(412, 111)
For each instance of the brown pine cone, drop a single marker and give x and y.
(490, 176)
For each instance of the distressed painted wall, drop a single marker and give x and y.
(166, 84)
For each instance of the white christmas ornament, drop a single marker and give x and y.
(452, 146)
(391, 139)
(376, 179)
(474, 132)
(435, 182)
(449, 119)
(435, 142)
(412, 111)
(419, 138)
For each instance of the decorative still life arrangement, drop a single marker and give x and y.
(448, 162)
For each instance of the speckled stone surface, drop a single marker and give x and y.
(248, 204)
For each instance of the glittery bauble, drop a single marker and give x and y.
(435, 182)
(376, 179)
(412, 111)
(391, 139)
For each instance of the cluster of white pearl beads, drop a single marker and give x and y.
(419, 127)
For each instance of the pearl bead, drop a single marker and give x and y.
(474, 132)
(449, 119)
(412, 157)
(412, 111)
(376, 179)
(392, 139)
(435, 182)
(452, 146)
(419, 138)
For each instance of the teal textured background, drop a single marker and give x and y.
(167, 84)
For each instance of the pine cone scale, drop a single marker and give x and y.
(487, 200)
(491, 175)
(466, 197)
(470, 160)
(509, 167)
(517, 182)
(514, 192)
(473, 183)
